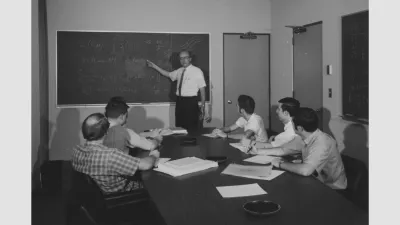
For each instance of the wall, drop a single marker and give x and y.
(35, 128)
(210, 16)
(302, 12)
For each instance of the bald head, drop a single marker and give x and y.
(185, 57)
(95, 126)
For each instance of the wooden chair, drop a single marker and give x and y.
(357, 182)
(87, 198)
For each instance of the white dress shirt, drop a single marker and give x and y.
(321, 152)
(285, 137)
(192, 81)
(256, 124)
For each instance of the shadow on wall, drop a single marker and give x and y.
(138, 121)
(326, 118)
(66, 135)
(355, 140)
(276, 125)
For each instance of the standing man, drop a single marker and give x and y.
(190, 80)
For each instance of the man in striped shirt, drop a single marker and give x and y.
(123, 138)
(110, 168)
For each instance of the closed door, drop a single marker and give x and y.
(246, 71)
(308, 68)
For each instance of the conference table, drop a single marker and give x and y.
(194, 199)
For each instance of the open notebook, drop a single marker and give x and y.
(184, 166)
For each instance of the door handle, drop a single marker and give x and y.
(229, 102)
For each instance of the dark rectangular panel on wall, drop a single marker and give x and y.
(355, 65)
(92, 67)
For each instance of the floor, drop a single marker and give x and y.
(49, 209)
(49, 201)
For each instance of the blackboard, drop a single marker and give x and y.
(355, 65)
(92, 67)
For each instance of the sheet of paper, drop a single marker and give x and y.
(248, 170)
(185, 161)
(239, 146)
(212, 135)
(274, 173)
(241, 190)
(261, 159)
(162, 160)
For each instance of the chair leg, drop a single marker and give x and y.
(88, 216)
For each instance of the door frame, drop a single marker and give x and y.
(269, 74)
(322, 59)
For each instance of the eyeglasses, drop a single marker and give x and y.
(186, 57)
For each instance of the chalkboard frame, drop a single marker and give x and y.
(347, 113)
(61, 106)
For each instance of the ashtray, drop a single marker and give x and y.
(261, 208)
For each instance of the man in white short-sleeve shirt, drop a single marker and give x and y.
(320, 156)
(190, 80)
(252, 123)
(286, 142)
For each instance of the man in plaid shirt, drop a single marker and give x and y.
(109, 167)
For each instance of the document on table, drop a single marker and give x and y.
(162, 160)
(212, 135)
(186, 161)
(261, 159)
(240, 147)
(178, 130)
(184, 166)
(253, 172)
(241, 190)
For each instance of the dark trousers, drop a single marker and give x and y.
(187, 113)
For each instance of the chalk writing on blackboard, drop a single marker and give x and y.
(190, 43)
(92, 66)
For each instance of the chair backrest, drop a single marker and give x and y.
(88, 194)
(357, 181)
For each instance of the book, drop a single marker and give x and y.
(184, 166)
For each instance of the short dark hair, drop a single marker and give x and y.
(116, 106)
(247, 103)
(306, 118)
(95, 126)
(289, 105)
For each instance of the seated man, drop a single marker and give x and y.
(124, 138)
(252, 123)
(320, 156)
(288, 139)
(109, 167)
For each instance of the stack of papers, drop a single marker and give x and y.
(184, 166)
(178, 130)
(241, 190)
(254, 172)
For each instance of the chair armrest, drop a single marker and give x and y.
(126, 198)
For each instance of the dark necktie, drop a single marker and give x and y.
(180, 83)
